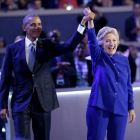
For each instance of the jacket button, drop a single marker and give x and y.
(115, 93)
(32, 75)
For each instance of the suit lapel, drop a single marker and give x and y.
(21, 50)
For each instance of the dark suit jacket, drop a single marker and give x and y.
(133, 67)
(70, 76)
(129, 26)
(90, 74)
(40, 78)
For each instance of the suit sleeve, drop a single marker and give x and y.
(130, 91)
(93, 44)
(5, 79)
(69, 46)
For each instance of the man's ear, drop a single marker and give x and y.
(23, 28)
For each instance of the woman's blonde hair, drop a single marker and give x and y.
(106, 30)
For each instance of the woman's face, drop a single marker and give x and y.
(110, 43)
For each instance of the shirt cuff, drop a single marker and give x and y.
(81, 29)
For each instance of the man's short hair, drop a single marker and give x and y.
(25, 20)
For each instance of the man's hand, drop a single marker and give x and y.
(88, 16)
(135, 30)
(132, 116)
(87, 12)
(63, 65)
(3, 113)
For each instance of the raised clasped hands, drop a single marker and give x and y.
(88, 16)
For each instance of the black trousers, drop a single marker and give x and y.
(41, 121)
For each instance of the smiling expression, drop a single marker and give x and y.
(110, 43)
(33, 28)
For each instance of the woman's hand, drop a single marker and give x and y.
(89, 16)
(132, 116)
(87, 11)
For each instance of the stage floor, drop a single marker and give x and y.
(69, 121)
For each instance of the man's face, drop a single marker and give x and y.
(1, 44)
(110, 43)
(136, 9)
(38, 4)
(80, 50)
(9, 2)
(133, 51)
(33, 28)
(55, 37)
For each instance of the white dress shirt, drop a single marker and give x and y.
(81, 29)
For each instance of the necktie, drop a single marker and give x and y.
(31, 57)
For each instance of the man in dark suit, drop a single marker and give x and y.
(34, 93)
(63, 71)
(132, 24)
(62, 67)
